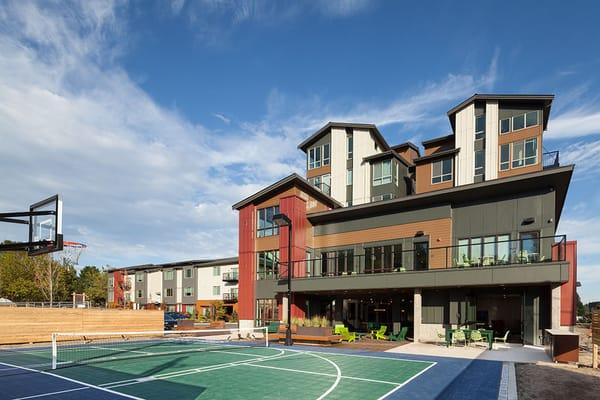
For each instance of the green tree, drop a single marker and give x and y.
(93, 282)
(580, 307)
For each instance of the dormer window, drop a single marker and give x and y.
(319, 156)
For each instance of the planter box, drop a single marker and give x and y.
(283, 328)
(313, 331)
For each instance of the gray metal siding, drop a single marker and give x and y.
(166, 284)
(189, 282)
(398, 218)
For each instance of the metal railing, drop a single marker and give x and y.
(551, 159)
(478, 253)
(230, 277)
(46, 304)
(230, 297)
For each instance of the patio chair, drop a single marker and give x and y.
(347, 335)
(380, 333)
(502, 339)
(523, 257)
(476, 337)
(337, 329)
(401, 336)
(460, 264)
(459, 336)
(441, 338)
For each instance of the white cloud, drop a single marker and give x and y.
(222, 117)
(586, 156)
(577, 122)
(177, 6)
(589, 276)
(585, 231)
(342, 8)
(140, 182)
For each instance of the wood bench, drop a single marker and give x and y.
(326, 340)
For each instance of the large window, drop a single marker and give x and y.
(381, 197)
(524, 152)
(520, 121)
(421, 255)
(382, 172)
(530, 245)
(441, 171)
(479, 162)
(188, 291)
(480, 127)
(349, 146)
(319, 156)
(386, 258)
(266, 311)
(483, 250)
(267, 266)
(169, 275)
(323, 182)
(504, 157)
(265, 224)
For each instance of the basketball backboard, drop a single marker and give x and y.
(45, 226)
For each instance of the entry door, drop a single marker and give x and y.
(531, 318)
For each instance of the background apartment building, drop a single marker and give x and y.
(462, 232)
(186, 286)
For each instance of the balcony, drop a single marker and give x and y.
(550, 159)
(323, 187)
(230, 277)
(477, 255)
(230, 297)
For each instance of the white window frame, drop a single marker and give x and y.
(167, 291)
(476, 131)
(383, 179)
(216, 289)
(525, 157)
(273, 229)
(475, 163)
(525, 125)
(185, 271)
(139, 277)
(188, 291)
(509, 119)
(349, 146)
(216, 270)
(450, 175)
(320, 180)
(507, 162)
(320, 161)
(169, 275)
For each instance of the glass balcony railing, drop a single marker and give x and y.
(230, 277)
(481, 253)
(230, 297)
(550, 159)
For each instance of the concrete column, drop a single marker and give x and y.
(284, 309)
(417, 315)
(555, 300)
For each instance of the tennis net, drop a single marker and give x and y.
(90, 347)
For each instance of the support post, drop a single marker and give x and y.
(417, 301)
(595, 356)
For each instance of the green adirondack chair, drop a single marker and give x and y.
(401, 336)
(347, 335)
(338, 329)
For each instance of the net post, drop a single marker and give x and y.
(266, 328)
(54, 350)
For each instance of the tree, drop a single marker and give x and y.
(580, 307)
(93, 282)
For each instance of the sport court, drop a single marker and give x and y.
(189, 370)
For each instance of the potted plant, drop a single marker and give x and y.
(316, 326)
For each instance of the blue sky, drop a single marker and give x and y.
(153, 118)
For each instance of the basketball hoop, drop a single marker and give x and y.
(71, 252)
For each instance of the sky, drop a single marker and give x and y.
(152, 118)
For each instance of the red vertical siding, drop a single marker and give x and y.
(118, 293)
(247, 261)
(295, 208)
(568, 307)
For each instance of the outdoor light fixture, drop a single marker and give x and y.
(283, 220)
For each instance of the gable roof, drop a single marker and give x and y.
(288, 181)
(388, 154)
(545, 100)
(429, 142)
(406, 144)
(318, 134)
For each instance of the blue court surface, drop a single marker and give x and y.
(276, 372)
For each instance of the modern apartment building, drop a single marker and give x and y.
(459, 230)
(186, 286)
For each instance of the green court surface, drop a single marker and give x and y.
(235, 372)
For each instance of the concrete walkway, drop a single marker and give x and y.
(502, 352)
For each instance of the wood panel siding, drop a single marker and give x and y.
(326, 169)
(408, 153)
(423, 179)
(522, 134)
(267, 243)
(438, 230)
(29, 325)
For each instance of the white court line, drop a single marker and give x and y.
(72, 380)
(324, 374)
(406, 382)
(121, 350)
(338, 376)
(194, 370)
(35, 396)
(366, 356)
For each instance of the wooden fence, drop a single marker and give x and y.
(595, 337)
(29, 325)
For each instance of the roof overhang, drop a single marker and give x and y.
(440, 139)
(405, 145)
(436, 155)
(556, 179)
(318, 134)
(543, 100)
(283, 184)
(180, 264)
(387, 155)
